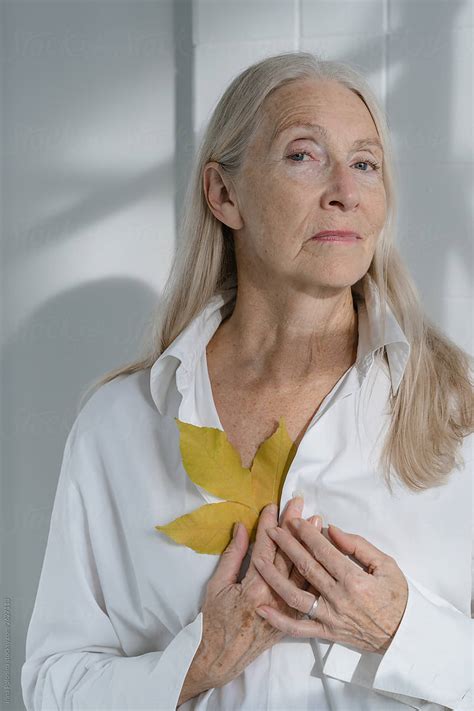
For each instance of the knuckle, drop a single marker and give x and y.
(305, 567)
(268, 511)
(355, 583)
(255, 593)
(295, 600)
(295, 632)
(297, 578)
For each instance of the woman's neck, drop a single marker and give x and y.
(283, 357)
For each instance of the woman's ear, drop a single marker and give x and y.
(221, 196)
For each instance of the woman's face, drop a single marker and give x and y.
(296, 181)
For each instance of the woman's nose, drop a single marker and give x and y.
(342, 190)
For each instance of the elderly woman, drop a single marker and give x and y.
(287, 300)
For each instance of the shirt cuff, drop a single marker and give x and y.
(149, 681)
(429, 657)
(176, 660)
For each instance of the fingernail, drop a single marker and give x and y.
(298, 500)
(272, 508)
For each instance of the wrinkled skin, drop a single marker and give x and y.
(233, 634)
(361, 605)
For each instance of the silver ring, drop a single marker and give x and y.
(310, 615)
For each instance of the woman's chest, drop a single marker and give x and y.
(250, 416)
(163, 583)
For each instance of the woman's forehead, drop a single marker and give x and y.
(313, 103)
(320, 114)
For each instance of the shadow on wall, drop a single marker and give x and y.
(65, 345)
(89, 91)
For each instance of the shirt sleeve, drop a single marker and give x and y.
(74, 659)
(428, 660)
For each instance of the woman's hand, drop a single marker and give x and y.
(233, 634)
(359, 606)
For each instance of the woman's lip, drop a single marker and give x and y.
(336, 236)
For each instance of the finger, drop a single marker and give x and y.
(293, 508)
(313, 591)
(294, 627)
(304, 560)
(294, 597)
(295, 575)
(363, 551)
(230, 562)
(264, 547)
(322, 550)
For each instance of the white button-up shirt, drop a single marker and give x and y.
(117, 620)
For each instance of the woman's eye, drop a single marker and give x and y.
(299, 153)
(294, 157)
(375, 166)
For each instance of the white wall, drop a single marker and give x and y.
(87, 239)
(103, 103)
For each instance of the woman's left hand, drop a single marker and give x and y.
(355, 607)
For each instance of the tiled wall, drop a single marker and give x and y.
(418, 58)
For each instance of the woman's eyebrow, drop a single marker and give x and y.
(359, 143)
(301, 124)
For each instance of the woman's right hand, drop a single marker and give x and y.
(233, 633)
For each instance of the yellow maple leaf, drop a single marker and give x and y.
(212, 462)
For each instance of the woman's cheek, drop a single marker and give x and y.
(303, 173)
(379, 205)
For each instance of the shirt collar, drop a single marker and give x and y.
(178, 360)
(371, 337)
